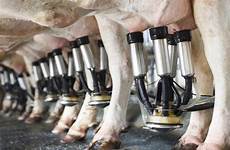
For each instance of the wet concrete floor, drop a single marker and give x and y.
(15, 135)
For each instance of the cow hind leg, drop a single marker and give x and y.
(114, 120)
(85, 120)
(80, 127)
(213, 20)
(55, 112)
(6, 105)
(38, 109)
(67, 118)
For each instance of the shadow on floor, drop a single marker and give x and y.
(20, 136)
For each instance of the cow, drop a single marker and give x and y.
(178, 16)
(30, 51)
(9, 104)
(170, 13)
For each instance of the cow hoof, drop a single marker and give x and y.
(23, 116)
(32, 120)
(104, 145)
(52, 120)
(5, 110)
(188, 146)
(212, 146)
(71, 139)
(75, 134)
(8, 114)
(60, 129)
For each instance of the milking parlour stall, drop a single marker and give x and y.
(114, 74)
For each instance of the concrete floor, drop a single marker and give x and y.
(20, 136)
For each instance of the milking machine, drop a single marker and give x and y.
(18, 97)
(105, 93)
(135, 40)
(24, 86)
(46, 63)
(100, 94)
(201, 102)
(164, 112)
(2, 81)
(53, 81)
(1, 75)
(6, 83)
(2, 93)
(7, 86)
(39, 79)
(45, 75)
(69, 96)
(12, 89)
(26, 91)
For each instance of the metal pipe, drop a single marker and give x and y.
(52, 65)
(86, 52)
(70, 65)
(12, 77)
(103, 56)
(184, 49)
(37, 72)
(103, 66)
(159, 38)
(173, 54)
(44, 67)
(2, 78)
(77, 57)
(135, 40)
(22, 82)
(6, 76)
(60, 62)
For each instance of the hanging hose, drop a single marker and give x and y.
(166, 92)
(187, 95)
(83, 82)
(95, 81)
(177, 98)
(142, 94)
(102, 78)
(158, 94)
